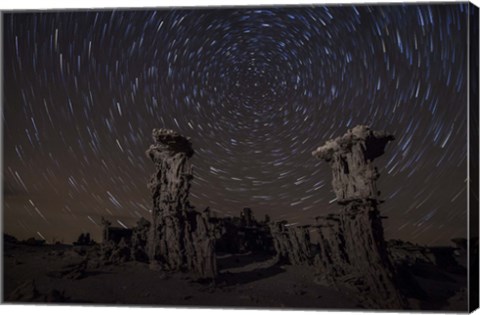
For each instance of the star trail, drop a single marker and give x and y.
(256, 89)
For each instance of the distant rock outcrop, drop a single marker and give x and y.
(180, 238)
(31, 241)
(401, 252)
(7, 238)
(139, 240)
(84, 239)
(242, 234)
(352, 247)
(116, 243)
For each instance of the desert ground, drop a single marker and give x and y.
(68, 274)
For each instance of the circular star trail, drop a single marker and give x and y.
(257, 90)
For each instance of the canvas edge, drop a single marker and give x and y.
(472, 141)
(473, 156)
(2, 218)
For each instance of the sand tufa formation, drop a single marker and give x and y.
(352, 248)
(180, 238)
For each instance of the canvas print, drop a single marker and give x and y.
(282, 157)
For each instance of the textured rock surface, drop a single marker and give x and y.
(180, 238)
(292, 243)
(350, 157)
(332, 258)
(352, 246)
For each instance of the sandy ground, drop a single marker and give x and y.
(246, 281)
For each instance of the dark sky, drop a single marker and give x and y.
(257, 90)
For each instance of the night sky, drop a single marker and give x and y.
(257, 90)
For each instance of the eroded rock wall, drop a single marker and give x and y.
(292, 243)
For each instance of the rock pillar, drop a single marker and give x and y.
(352, 246)
(180, 237)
